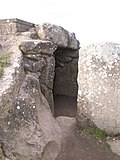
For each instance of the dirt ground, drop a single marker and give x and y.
(77, 145)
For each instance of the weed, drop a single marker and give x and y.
(94, 131)
(97, 133)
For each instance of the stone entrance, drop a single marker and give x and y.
(65, 81)
(66, 69)
(66, 64)
(50, 55)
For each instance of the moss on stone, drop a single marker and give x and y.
(96, 132)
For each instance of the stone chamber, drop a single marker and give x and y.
(63, 73)
(65, 82)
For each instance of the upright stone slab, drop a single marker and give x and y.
(99, 86)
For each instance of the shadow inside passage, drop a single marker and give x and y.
(65, 106)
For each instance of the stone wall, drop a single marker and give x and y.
(12, 26)
(99, 86)
(40, 63)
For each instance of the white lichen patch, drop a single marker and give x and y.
(34, 106)
(8, 122)
(18, 107)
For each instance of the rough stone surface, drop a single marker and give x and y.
(99, 86)
(39, 61)
(37, 46)
(1, 154)
(48, 93)
(115, 146)
(46, 80)
(57, 35)
(51, 151)
(66, 123)
(48, 72)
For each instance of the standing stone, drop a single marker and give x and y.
(99, 86)
(47, 79)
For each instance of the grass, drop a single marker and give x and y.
(94, 131)
(97, 133)
(4, 62)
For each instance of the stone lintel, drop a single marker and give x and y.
(37, 47)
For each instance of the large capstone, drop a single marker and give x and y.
(99, 86)
(57, 35)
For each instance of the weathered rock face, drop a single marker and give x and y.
(99, 86)
(58, 35)
(38, 47)
(29, 128)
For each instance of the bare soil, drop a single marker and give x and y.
(76, 144)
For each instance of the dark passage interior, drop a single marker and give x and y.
(65, 106)
(65, 82)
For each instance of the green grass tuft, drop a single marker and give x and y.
(96, 132)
